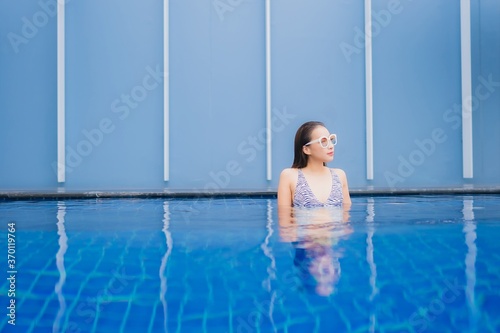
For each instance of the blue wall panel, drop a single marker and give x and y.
(486, 91)
(114, 95)
(191, 135)
(27, 96)
(314, 79)
(217, 95)
(416, 78)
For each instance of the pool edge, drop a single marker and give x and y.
(57, 195)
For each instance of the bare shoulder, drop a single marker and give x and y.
(288, 174)
(286, 186)
(340, 173)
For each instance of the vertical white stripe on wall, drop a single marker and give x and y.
(368, 87)
(166, 96)
(61, 132)
(465, 37)
(268, 90)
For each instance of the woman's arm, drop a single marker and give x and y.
(287, 227)
(346, 197)
(284, 188)
(345, 187)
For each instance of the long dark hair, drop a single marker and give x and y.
(302, 137)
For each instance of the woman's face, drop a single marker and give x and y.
(315, 150)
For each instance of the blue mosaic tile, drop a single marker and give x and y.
(218, 263)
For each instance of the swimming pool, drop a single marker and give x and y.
(397, 264)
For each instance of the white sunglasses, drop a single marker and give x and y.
(325, 141)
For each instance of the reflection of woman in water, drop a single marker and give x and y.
(315, 233)
(318, 268)
(312, 200)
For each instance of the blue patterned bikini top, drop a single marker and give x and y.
(304, 197)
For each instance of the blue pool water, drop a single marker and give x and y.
(393, 264)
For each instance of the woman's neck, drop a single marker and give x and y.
(315, 166)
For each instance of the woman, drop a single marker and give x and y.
(309, 182)
(313, 203)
